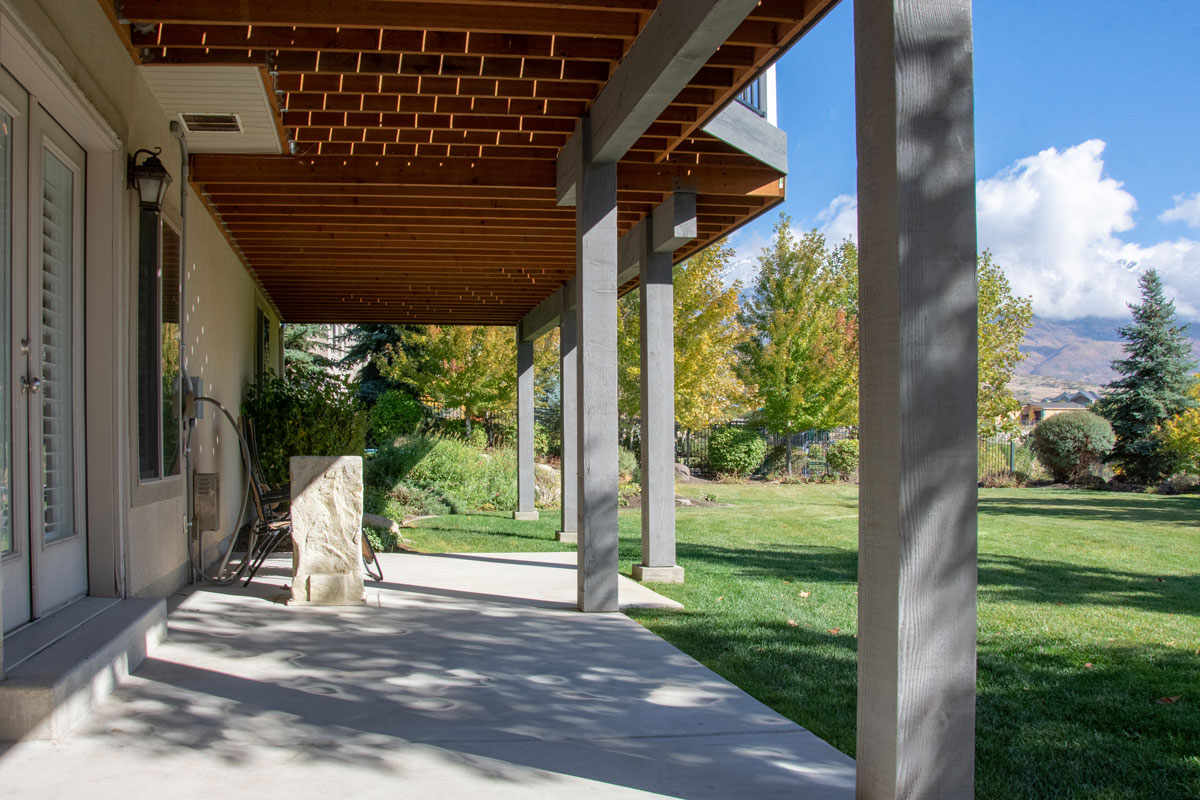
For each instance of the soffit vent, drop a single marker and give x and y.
(202, 94)
(211, 123)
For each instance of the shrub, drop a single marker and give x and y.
(456, 473)
(1070, 445)
(842, 457)
(394, 414)
(736, 451)
(541, 440)
(312, 416)
(627, 466)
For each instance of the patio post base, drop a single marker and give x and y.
(525, 516)
(672, 574)
(571, 537)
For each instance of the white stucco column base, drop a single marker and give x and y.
(327, 507)
(525, 516)
(673, 574)
(570, 537)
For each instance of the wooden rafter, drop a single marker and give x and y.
(426, 135)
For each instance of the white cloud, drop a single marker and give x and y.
(839, 220)
(748, 247)
(1052, 221)
(1186, 210)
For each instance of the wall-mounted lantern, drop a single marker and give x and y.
(150, 178)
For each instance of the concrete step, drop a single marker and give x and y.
(54, 689)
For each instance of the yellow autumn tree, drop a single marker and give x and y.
(1181, 433)
(468, 367)
(708, 333)
(803, 348)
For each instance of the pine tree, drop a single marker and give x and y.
(1153, 386)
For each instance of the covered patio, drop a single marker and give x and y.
(467, 675)
(522, 164)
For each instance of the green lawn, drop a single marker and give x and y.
(1089, 614)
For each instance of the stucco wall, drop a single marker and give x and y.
(219, 306)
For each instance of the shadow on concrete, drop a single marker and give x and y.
(490, 695)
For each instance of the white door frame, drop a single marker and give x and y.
(105, 304)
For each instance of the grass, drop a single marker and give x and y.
(1089, 614)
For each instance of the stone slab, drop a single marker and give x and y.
(526, 516)
(327, 513)
(658, 574)
(570, 537)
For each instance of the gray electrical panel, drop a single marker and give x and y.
(206, 500)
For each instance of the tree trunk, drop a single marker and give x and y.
(787, 448)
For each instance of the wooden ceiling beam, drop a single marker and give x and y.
(547, 18)
(366, 40)
(416, 171)
(306, 209)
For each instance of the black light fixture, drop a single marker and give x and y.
(150, 178)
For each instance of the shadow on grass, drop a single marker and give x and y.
(1047, 726)
(1097, 506)
(1004, 578)
(1016, 579)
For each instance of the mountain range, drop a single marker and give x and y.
(1073, 354)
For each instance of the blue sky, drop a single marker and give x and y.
(1087, 135)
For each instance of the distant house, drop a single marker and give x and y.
(1034, 412)
(1083, 397)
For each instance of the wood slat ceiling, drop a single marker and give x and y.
(425, 138)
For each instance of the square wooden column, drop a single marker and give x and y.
(569, 530)
(526, 508)
(596, 379)
(657, 310)
(917, 519)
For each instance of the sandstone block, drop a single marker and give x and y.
(327, 509)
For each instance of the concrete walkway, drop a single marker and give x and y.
(464, 676)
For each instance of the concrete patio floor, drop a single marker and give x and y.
(468, 676)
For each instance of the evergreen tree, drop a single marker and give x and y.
(1153, 386)
(803, 348)
(307, 351)
(363, 344)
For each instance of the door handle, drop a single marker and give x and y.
(30, 384)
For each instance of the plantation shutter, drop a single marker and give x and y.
(58, 461)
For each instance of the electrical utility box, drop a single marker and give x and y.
(206, 500)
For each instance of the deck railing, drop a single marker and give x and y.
(752, 97)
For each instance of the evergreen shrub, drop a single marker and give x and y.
(736, 451)
(312, 416)
(1069, 445)
(842, 457)
(394, 414)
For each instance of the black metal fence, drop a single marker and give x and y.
(808, 450)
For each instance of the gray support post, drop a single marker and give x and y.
(526, 510)
(917, 520)
(570, 421)
(658, 420)
(596, 379)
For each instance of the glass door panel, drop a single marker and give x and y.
(15, 549)
(56, 402)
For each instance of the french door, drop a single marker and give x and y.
(42, 535)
